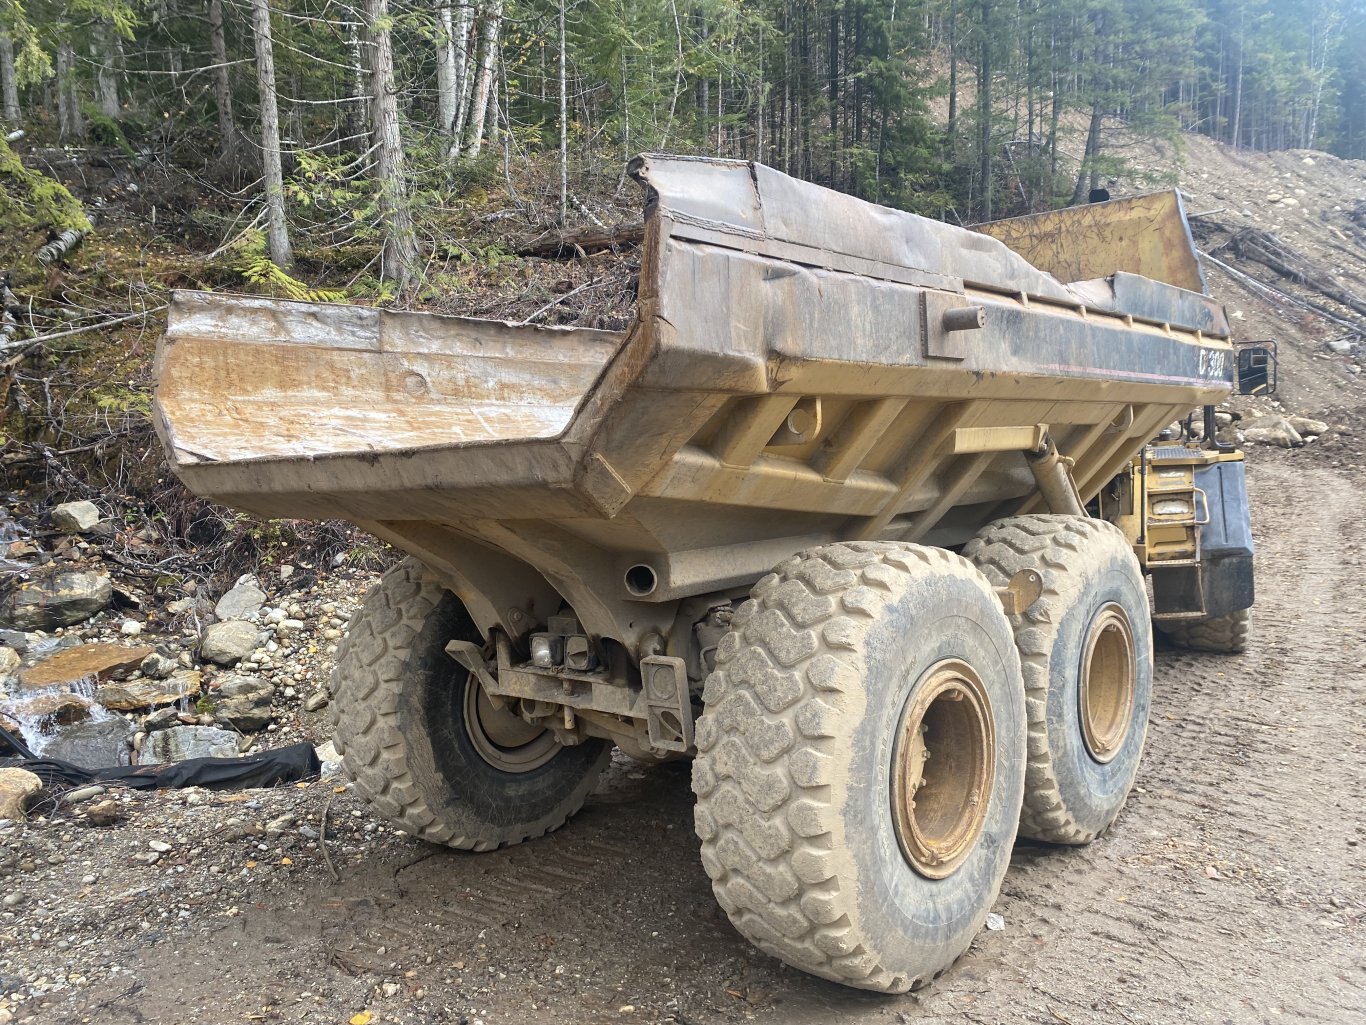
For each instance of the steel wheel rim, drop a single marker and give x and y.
(1109, 683)
(501, 738)
(943, 769)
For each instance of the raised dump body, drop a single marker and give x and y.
(849, 512)
(794, 376)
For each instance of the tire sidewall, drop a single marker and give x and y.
(432, 711)
(909, 919)
(1097, 790)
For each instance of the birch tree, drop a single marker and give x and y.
(398, 260)
(564, 125)
(277, 230)
(489, 30)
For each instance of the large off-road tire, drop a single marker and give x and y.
(423, 743)
(1086, 650)
(1225, 635)
(810, 755)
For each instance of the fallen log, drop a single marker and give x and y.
(58, 248)
(584, 241)
(1271, 252)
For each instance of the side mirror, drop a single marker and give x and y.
(1257, 365)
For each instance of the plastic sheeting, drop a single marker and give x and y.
(270, 769)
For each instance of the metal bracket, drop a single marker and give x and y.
(1022, 591)
(471, 656)
(668, 704)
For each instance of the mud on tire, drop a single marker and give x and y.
(1075, 786)
(398, 712)
(795, 754)
(1224, 635)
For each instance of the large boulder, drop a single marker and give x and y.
(45, 712)
(64, 597)
(244, 703)
(75, 517)
(139, 694)
(1271, 430)
(97, 744)
(226, 644)
(181, 742)
(244, 601)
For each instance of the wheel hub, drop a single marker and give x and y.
(943, 768)
(1109, 681)
(501, 738)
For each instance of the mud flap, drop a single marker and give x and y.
(1222, 583)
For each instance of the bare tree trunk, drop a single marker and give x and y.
(106, 71)
(446, 87)
(564, 126)
(464, 18)
(399, 257)
(952, 130)
(483, 76)
(222, 87)
(69, 120)
(9, 84)
(985, 110)
(1086, 170)
(277, 231)
(1236, 123)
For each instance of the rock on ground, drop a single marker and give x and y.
(92, 745)
(244, 703)
(244, 601)
(1306, 427)
(181, 742)
(17, 786)
(138, 694)
(1271, 430)
(75, 517)
(9, 666)
(61, 598)
(45, 711)
(226, 644)
(101, 661)
(157, 666)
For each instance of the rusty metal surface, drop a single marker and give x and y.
(265, 379)
(803, 367)
(1147, 236)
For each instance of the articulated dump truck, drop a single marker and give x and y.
(856, 513)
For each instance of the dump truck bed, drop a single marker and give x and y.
(802, 367)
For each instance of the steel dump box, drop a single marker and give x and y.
(802, 367)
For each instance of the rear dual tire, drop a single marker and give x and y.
(423, 743)
(1086, 653)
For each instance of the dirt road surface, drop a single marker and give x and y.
(1232, 888)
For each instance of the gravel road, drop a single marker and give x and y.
(1232, 888)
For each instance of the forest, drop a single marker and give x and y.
(316, 130)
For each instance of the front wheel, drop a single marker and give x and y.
(423, 742)
(1222, 635)
(861, 762)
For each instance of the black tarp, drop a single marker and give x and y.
(270, 769)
